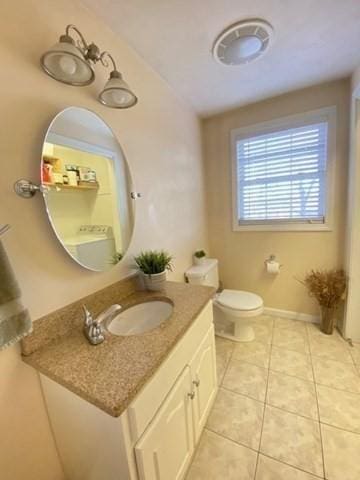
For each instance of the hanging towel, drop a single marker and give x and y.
(15, 322)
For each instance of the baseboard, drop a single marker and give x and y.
(305, 317)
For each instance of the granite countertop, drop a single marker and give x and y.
(111, 374)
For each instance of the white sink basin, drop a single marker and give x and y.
(140, 318)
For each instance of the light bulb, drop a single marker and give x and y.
(119, 97)
(67, 65)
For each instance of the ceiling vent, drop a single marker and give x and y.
(243, 42)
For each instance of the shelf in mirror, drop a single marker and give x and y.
(94, 186)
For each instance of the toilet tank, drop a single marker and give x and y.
(204, 274)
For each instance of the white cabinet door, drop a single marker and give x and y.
(164, 450)
(204, 379)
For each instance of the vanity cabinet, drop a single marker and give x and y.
(203, 372)
(165, 449)
(155, 437)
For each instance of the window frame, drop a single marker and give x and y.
(327, 114)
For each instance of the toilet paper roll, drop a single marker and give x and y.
(273, 267)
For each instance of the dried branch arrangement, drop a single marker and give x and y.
(327, 286)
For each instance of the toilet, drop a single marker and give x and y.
(233, 309)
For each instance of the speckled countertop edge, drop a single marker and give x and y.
(111, 374)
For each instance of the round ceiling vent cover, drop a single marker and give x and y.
(243, 42)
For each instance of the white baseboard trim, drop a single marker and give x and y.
(305, 317)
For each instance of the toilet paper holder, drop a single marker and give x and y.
(271, 259)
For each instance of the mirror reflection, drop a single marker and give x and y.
(87, 189)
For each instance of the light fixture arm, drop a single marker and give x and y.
(105, 63)
(84, 46)
(90, 51)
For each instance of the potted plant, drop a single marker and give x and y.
(199, 257)
(328, 287)
(116, 258)
(153, 265)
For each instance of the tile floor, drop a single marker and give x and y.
(288, 407)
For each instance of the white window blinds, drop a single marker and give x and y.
(281, 176)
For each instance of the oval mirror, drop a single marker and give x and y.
(87, 189)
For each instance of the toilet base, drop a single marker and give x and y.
(237, 332)
(247, 334)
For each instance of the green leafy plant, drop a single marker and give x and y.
(116, 258)
(200, 254)
(153, 261)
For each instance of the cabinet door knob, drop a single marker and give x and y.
(196, 383)
(191, 395)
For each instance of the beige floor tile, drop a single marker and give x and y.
(222, 361)
(223, 345)
(292, 439)
(314, 331)
(246, 378)
(341, 454)
(291, 339)
(290, 324)
(263, 332)
(292, 394)
(291, 363)
(218, 458)
(270, 469)
(267, 320)
(355, 353)
(253, 352)
(237, 417)
(336, 374)
(330, 348)
(224, 349)
(338, 408)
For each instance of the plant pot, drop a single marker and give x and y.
(199, 261)
(155, 281)
(327, 319)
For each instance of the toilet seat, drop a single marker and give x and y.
(239, 300)
(240, 303)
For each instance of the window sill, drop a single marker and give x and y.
(284, 227)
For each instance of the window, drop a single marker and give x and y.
(281, 173)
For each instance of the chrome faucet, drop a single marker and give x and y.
(93, 328)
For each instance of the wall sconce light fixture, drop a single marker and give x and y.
(72, 63)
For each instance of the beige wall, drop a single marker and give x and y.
(242, 254)
(161, 139)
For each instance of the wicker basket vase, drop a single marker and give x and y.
(327, 319)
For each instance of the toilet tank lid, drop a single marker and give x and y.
(199, 271)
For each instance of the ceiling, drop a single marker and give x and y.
(314, 41)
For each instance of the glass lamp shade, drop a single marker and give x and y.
(66, 63)
(243, 49)
(117, 93)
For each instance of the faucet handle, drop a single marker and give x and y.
(88, 319)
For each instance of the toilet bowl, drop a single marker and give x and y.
(233, 309)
